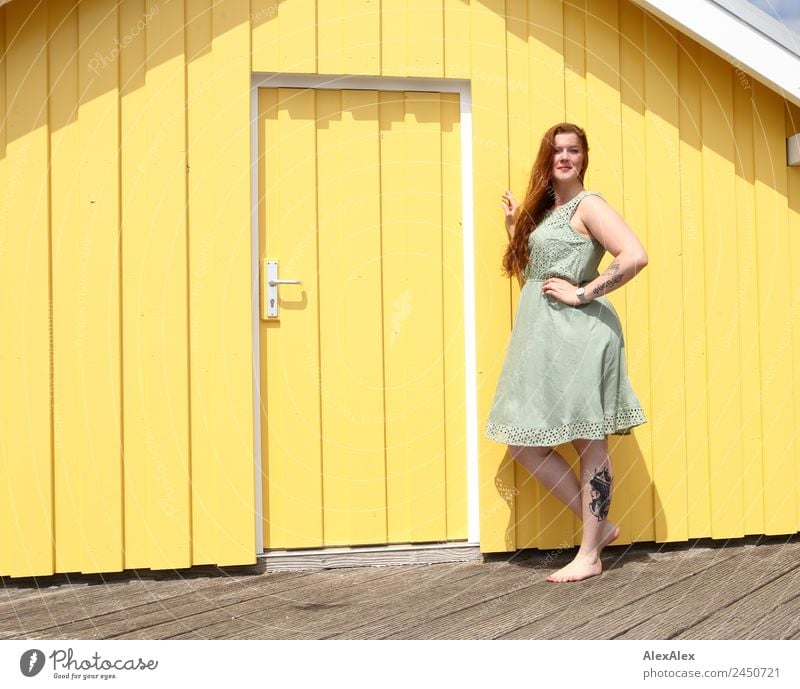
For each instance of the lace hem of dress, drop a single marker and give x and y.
(619, 424)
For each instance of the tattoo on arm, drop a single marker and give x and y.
(602, 287)
(600, 485)
(612, 270)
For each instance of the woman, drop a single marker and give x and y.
(564, 377)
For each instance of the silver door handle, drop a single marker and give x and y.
(269, 293)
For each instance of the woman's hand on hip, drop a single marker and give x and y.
(562, 290)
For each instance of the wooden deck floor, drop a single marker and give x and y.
(743, 589)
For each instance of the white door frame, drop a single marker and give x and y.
(333, 81)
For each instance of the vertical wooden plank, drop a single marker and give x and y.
(297, 37)
(25, 411)
(292, 392)
(5, 484)
(694, 273)
(333, 200)
(775, 302)
(792, 123)
(225, 367)
(425, 38)
(747, 297)
(634, 178)
(158, 359)
(721, 311)
(394, 38)
(354, 470)
(546, 75)
(575, 61)
(490, 178)
(330, 28)
(134, 217)
(399, 487)
(6, 498)
(265, 30)
(453, 345)
(269, 141)
(603, 112)
(664, 272)
(69, 422)
(203, 345)
(362, 36)
(98, 469)
(456, 48)
(416, 317)
(604, 131)
(359, 340)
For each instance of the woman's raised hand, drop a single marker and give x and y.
(509, 204)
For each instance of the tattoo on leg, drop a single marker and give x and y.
(600, 487)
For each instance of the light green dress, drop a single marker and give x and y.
(564, 375)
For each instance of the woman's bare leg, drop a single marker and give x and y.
(598, 531)
(552, 471)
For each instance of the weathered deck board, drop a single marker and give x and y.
(775, 603)
(728, 582)
(212, 597)
(88, 601)
(341, 606)
(404, 600)
(443, 600)
(749, 589)
(274, 616)
(75, 602)
(544, 610)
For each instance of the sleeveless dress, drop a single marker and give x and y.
(564, 375)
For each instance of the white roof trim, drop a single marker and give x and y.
(763, 22)
(731, 37)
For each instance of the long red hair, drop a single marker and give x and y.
(539, 197)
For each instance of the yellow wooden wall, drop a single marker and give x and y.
(126, 434)
(126, 426)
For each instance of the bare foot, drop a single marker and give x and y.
(585, 566)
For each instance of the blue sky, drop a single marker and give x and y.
(786, 11)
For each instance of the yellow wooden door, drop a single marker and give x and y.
(362, 370)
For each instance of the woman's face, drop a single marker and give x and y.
(568, 157)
